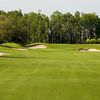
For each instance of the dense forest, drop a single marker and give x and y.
(79, 28)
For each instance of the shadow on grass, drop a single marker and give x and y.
(22, 57)
(14, 57)
(32, 45)
(6, 46)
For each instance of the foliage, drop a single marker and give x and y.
(59, 28)
(88, 41)
(93, 41)
(98, 40)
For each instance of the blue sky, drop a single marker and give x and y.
(48, 6)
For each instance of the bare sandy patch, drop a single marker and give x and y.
(93, 50)
(88, 50)
(3, 54)
(38, 47)
(22, 49)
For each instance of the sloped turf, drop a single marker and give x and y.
(10, 45)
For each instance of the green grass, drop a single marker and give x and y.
(10, 45)
(59, 72)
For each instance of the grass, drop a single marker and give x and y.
(10, 45)
(59, 72)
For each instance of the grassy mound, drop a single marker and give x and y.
(11, 45)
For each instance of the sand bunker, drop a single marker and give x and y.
(4, 54)
(38, 47)
(32, 47)
(93, 50)
(88, 50)
(22, 49)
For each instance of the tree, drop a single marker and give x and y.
(56, 28)
(59, 28)
(89, 23)
(6, 28)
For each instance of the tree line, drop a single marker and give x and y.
(32, 27)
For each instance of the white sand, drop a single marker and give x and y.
(93, 50)
(89, 50)
(22, 49)
(38, 47)
(3, 54)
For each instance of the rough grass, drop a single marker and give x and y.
(59, 72)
